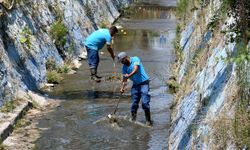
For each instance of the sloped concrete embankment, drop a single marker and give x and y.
(208, 83)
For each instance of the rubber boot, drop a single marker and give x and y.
(148, 118)
(94, 72)
(133, 116)
(94, 77)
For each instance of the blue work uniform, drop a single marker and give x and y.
(94, 43)
(140, 88)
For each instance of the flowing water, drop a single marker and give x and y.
(148, 32)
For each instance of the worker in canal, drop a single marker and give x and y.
(94, 42)
(134, 70)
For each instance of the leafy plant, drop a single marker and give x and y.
(176, 43)
(59, 33)
(26, 36)
(241, 56)
(214, 22)
(53, 77)
(50, 64)
(53, 72)
(21, 123)
(63, 69)
(181, 7)
(10, 105)
(104, 24)
(173, 85)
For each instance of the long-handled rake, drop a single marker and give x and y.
(117, 104)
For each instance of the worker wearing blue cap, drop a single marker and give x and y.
(134, 70)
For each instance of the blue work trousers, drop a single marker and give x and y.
(93, 57)
(138, 92)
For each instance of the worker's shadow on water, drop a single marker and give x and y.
(92, 95)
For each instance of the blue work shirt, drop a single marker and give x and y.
(98, 39)
(140, 76)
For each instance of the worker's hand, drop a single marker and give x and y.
(126, 76)
(122, 90)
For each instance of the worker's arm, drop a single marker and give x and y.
(111, 51)
(133, 72)
(126, 76)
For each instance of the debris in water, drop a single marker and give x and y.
(119, 122)
(113, 78)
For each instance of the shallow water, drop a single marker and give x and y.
(149, 32)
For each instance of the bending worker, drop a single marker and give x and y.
(94, 43)
(134, 70)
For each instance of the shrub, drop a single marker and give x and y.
(241, 126)
(173, 85)
(58, 32)
(10, 105)
(181, 7)
(63, 69)
(53, 77)
(50, 64)
(25, 38)
(214, 22)
(104, 24)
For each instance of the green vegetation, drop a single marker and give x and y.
(21, 123)
(53, 72)
(88, 10)
(55, 9)
(26, 36)
(241, 126)
(242, 55)
(20, 2)
(214, 22)
(236, 128)
(153, 33)
(176, 43)
(2, 147)
(181, 8)
(70, 48)
(222, 132)
(173, 85)
(240, 123)
(59, 33)
(53, 77)
(9, 106)
(50, 64)
(63, 69)
(104, 24)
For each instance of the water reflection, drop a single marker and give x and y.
(147, 39)
(150, 12)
